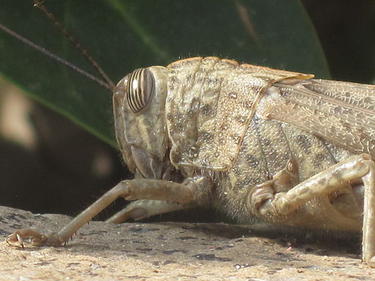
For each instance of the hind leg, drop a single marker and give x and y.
(277, 207)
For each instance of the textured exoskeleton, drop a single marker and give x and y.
(252, 141)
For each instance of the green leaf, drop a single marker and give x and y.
(128, 34)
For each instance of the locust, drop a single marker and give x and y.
(254, 142)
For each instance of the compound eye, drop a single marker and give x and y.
(140, 88)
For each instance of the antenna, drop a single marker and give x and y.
(55, 57)
(105, 82)
(39, 4)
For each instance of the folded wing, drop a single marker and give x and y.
(341, 112)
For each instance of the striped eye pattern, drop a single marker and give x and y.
(140, 87)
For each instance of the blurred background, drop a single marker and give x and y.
(48, 164)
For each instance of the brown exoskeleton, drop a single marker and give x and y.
(249, 140)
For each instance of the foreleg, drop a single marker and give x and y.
(194, 190)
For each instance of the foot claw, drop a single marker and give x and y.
(20, 241)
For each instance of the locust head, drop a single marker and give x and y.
(139, 113)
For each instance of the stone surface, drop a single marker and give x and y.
(178, 251)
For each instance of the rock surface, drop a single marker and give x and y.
(177, 251)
